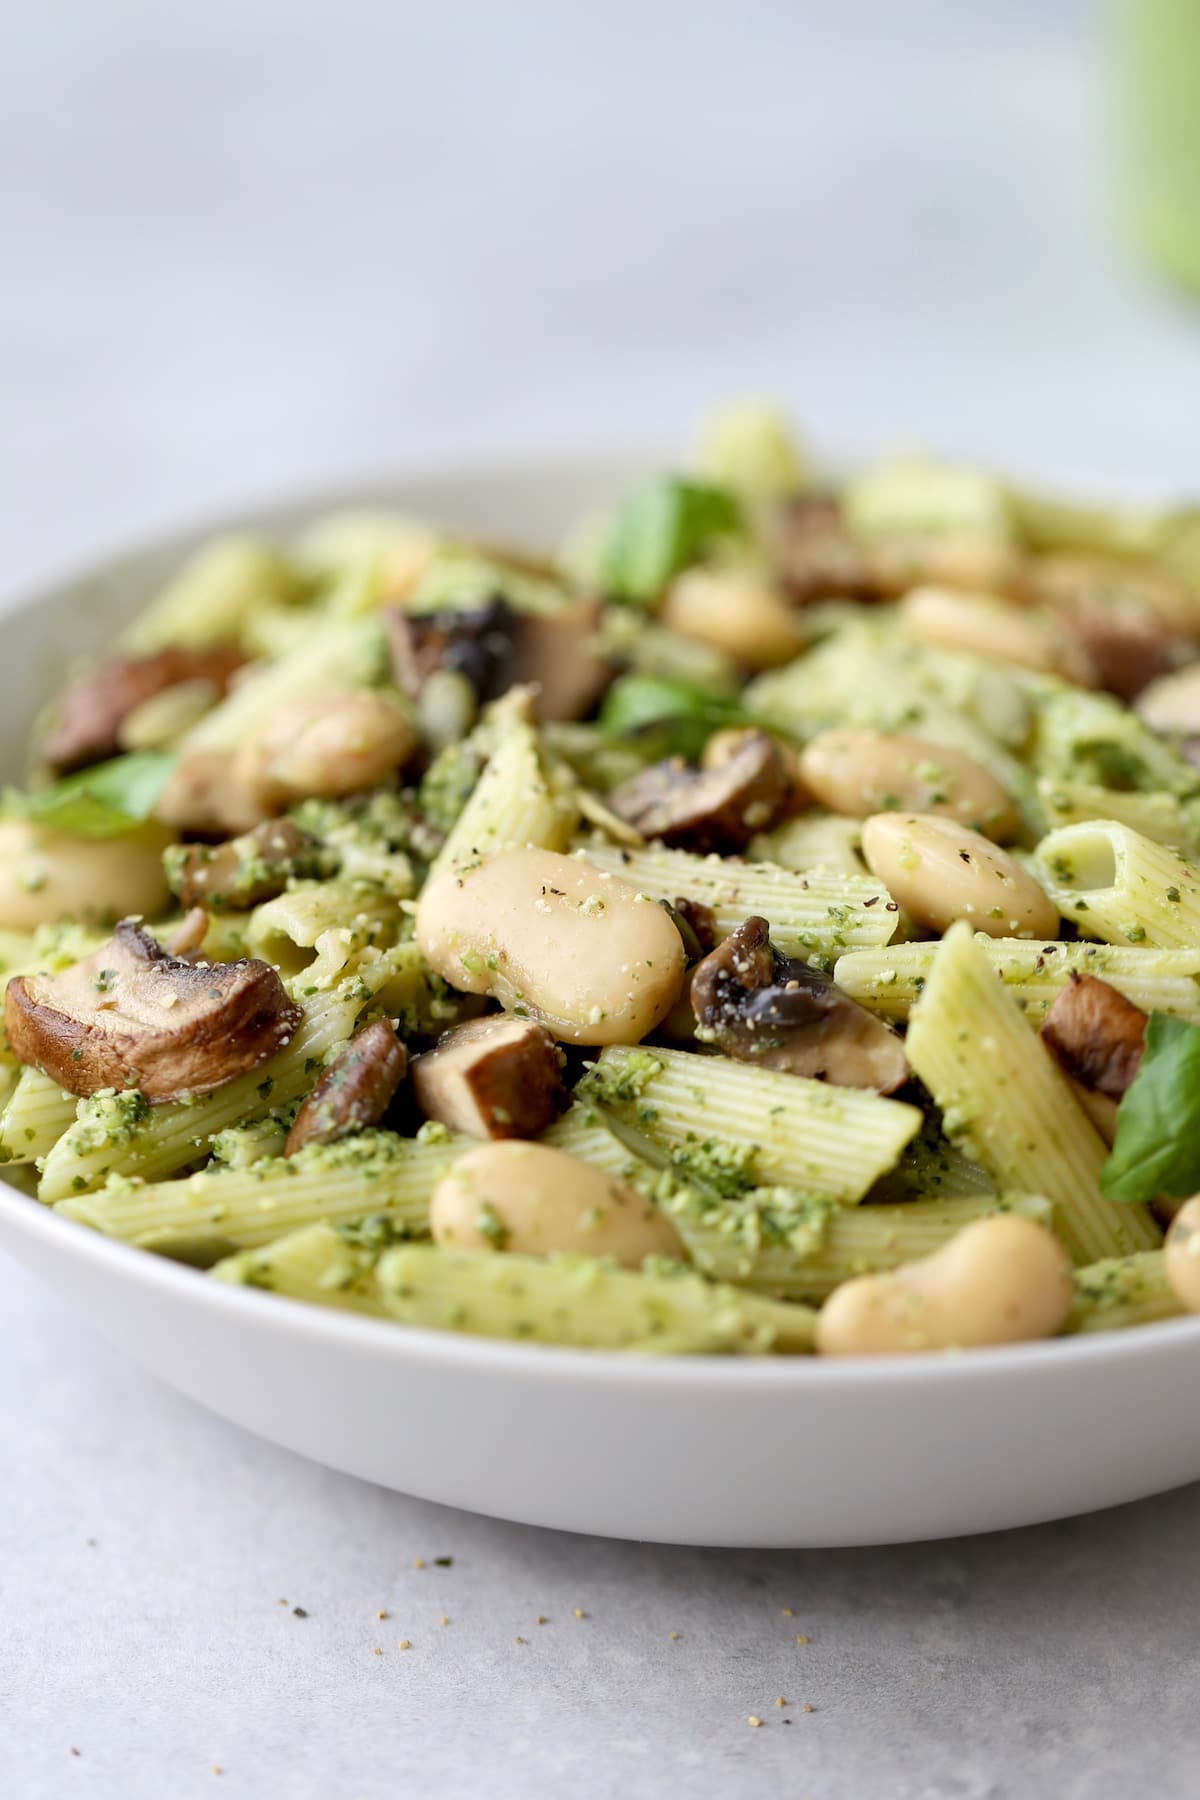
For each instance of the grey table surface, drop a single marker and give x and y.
(254, 246)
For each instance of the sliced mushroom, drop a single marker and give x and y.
(557, 650)
(205, 798)
(244, 871)
(494, 1078)
(813, 556)
(186, 939)
(710, 809)
(91, 712)
(1128, 646)
(1096, 1035)
(355, 1091)
(761, 1007)
(130, 1015)
(478, 642)
(496, 647)
(697, 923)
(1085, 582)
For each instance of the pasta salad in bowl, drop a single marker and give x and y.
(757, 917)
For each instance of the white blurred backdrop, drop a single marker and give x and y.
(249, 245)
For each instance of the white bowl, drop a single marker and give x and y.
(699, 1450)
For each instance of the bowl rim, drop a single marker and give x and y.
(549, 1363)
(553, 1362)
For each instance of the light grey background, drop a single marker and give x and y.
(249, 245)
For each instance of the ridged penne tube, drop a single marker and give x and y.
(46, 950)
(1120, 1291)
(1121, 887)
(889, 981)
(512, 805)
(1160, 816)
(814, 840)
(243, 1145)
(290, 929)
(118, 1134)
(1084, 736)
(327, 1265)
(732, 1126)
(586, 1303)
(816, 915)
(775, 1242)
(345, 654)
(582, 1132)
(37, 1114)
(422, 1004)
(1005, 1099)
(202, 1217)
(928, 1169)
(212, 596)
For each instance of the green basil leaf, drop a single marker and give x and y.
(663, 528)
(683, 716)
(102, 802)
(1157, 1146)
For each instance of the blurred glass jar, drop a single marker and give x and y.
(1159, 74)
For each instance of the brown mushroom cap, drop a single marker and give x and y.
(1129, 646)
(355, 1091)
(761, 1007)
(478, 642)
(91, 712)
(1096, 1035)
(719, 808)
(811, 553)
(242, 872)
(496, 647)
(132, 1016)
(497, 1077)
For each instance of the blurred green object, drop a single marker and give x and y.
(1159, 72)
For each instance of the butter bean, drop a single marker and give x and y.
(556, 940)
(863, 772)
(938, 871)
(737, 611)
(326, 744)
(533, 1200)
(1181, 1254)
(1172, 703)
(50, 875)
(998, 1281)
(979, 625)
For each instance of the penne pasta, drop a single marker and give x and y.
(818, 915)
(1005, 1099)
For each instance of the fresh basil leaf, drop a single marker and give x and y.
(683, 716)
(1157, 1146)
(663, 528)
(102, 802)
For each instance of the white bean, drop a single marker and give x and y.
(737, 611)
(533, 1200)
(982, 626)
(555, 940)
(998, 1281)
(1172, 703)
(1181, 1254)
(326, 744)
(938, 871)
(858, 772)
(49, 875)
